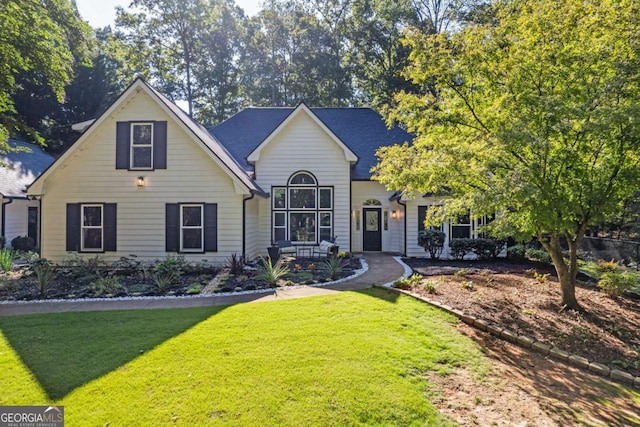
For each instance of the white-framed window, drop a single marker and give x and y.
(191, 228)
(279, 226)
(325, 198)
(461, 227)
(142, 146)
(91, 228)
(302, 211)
(325, 226)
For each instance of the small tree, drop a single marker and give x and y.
(533, 115)
(432, 241)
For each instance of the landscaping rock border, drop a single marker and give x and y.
(364, 267)
(525, 341)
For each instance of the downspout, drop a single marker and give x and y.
(39, 236)
(244, 224)
(4, 216)
(405, 224)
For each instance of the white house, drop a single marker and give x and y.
(146, 179)
(18, 169)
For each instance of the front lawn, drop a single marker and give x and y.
(357, 358)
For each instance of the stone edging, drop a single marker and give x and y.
(529, 343)
(364, 267)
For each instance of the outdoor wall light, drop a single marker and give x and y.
(394, 214)
(140, 181)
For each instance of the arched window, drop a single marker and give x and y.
(302, 178)
(372, 202)
(302, 211)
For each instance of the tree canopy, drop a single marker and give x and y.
(40, 43)
(534, 117)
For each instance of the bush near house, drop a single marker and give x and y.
(23, 243)
(483, 248)
(432, 241)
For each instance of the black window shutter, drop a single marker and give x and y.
(160, 145)
(110, 231)
(73, 227)
(172, 227)
(123, 153)
(211, 227)
(422, 214)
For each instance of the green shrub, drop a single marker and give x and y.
(461, 272)
(301, 276)
(6, 258)
(432, 241)
(44, 273)
(270, 272)
(23, 243)
(539, 255)
(106, 286)
(607, 266)
(333, 267)
(460, 247)
(516, 252)
(165, 273)
(486, 248)
(614, 284)
(80, 267)
(407, 283)
(429, 286)
(195, 289)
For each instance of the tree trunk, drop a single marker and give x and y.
(566, 273)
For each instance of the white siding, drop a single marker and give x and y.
(393, 237)
(413, 250)
(16, 218)
(191, 176)
(252, 230)
(303, 146)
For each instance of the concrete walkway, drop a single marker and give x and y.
(382, 269)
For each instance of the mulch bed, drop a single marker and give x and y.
(302, 271)
(133, 281)
(520, 297)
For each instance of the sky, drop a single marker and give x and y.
(101, 13)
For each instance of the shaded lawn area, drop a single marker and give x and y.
(356, 358)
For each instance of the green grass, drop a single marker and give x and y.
(356, 358)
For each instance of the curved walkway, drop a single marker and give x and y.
(383, 268)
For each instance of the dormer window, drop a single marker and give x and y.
(141, 146)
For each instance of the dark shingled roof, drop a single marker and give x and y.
(19, 169)
(361, 129)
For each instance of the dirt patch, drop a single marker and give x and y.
(524, 387)
(525, 298)
(527, 389)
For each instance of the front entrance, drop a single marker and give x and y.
(372, 236)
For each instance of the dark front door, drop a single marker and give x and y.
(372, 237)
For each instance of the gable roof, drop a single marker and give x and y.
(361, 130)
(200, 134)
(349, 155)
(19, 169)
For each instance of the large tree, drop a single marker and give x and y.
(41, 41)
(295, 51)
(535, 116)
